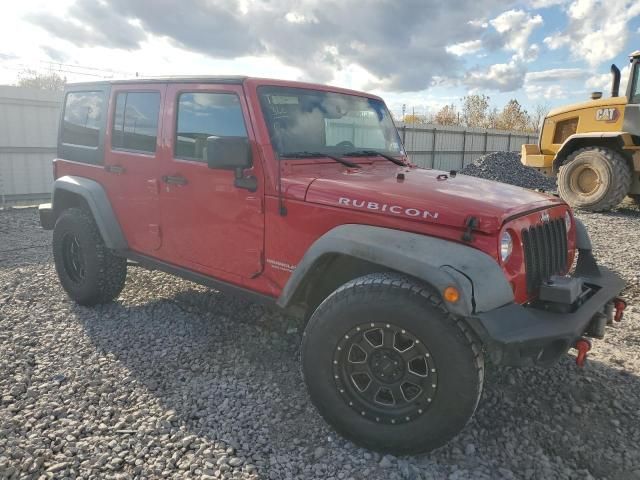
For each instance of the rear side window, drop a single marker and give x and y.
(202, 115)
(135, 122)
(83, 113)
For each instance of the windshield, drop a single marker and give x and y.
(303, 120)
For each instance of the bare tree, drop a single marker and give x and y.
(474, 110)
(447, 115)
(414, 119)
(514, 117)
(540, 111)
(41, 81)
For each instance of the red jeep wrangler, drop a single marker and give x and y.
(301, 195)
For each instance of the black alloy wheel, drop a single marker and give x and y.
(385, 373)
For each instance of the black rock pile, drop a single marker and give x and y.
(506, 167)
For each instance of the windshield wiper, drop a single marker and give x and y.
(375, 153)
(344, 162)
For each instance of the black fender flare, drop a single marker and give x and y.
(440, 263)
(96, 198)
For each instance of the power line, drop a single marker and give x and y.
(18, 64)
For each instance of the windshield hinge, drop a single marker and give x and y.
(471, 224)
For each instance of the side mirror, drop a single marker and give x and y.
(229, 153)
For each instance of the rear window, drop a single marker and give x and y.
(83, 112)
(135, 123)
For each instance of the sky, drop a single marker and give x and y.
(420, 53)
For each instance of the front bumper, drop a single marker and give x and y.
(531, 156)
(521, 335)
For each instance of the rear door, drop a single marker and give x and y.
(210, 225)
(131, 160)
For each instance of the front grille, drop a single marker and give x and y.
(545, 251)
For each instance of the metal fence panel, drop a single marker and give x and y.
(28, 134)
(452, 148)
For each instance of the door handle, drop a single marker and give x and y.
(174, 180)
(117, 169)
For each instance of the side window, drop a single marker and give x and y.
(635, 89)
(135, 122)
(202, 115)
(82, 118)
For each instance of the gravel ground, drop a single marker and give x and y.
(174, 380)
(506, 167)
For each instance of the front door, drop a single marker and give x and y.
(632, 110)
(209, 224)
(132, 161)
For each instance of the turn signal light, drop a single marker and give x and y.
(451, 294)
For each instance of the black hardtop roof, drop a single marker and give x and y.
(230, 79)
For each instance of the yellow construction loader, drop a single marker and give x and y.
(593, 147)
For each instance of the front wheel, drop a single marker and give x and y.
(389, 368)
(594, 178)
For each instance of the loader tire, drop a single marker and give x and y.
(594, 178)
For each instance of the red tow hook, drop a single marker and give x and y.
(619, 304)
(583, 346)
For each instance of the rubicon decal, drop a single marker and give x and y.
(387, 208)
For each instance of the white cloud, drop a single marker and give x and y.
(597, 30)
(515, 27)
(546, 3)
(555, 75)
(551, 84)
(464, 48)
(478, 23)
(504, 77)
(602, 82)
(548, 92)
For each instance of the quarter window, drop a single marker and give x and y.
(203, 115)
(82, 118)
(135, 122)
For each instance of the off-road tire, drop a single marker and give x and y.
(611, 171)
(103, 273)
(402, 301)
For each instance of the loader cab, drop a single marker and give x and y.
(632, 110)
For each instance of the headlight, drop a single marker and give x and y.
(506, 246)
(567, 220)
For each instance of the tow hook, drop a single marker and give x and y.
(583, 346)
(619, 304)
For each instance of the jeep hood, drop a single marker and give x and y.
(427, 196)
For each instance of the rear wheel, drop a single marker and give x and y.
(594, 178)
(388, 367)
(89, 272)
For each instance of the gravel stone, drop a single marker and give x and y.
(319, 452)
(506, 167)
(174, 375)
